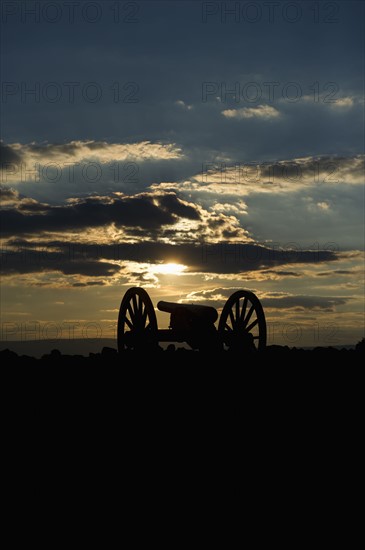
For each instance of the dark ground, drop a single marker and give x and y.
(164, 399)
(109, 357)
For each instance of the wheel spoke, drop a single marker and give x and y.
(128, 323)
(253, 324)
(130, 311)
(243, 311)
(237, 311)
(227, 326)
(231, 316)
(135, 307)
(250, 311)
(143, 317)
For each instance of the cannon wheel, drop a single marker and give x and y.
(137, 322)
(242, 322)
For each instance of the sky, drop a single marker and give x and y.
(191, 148)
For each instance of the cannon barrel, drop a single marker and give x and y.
(205, 313)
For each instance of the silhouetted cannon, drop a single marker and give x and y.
(241, 325)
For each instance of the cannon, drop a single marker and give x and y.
(241, 325)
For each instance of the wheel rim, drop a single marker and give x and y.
(242, 322)
(137, 323)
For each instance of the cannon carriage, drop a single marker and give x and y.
(241, 324)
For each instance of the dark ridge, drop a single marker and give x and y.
(110, 356)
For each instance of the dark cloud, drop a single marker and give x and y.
(328, 168)
(218, 296)
(298, 303)
(350, 272)
(31, 205)
(48, 150)
(147, 211)
(8, 155)
(88, 267)
(7, 194)
(171, 203)
(25, 259)
(71, 257)
(88, 283)
(282, 273)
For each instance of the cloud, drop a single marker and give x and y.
(322, 205)
(303, 302)
(343, 272)
(11, 198)
(343, 102)
(305, 199)
(105, 259)
(218, 296)
(23, 261)
(297, 172)
(281, 274)
(232, 179)
(172, 203)
(184, 105)
(316, 207)
(146, 211)
(238, 207)
(155, 215)
(8, 155)
(8, 196)
(260, 112)
(98, 150)
(22, 162)
(324, 101)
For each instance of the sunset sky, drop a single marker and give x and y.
(192, 148)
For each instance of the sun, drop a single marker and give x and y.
(170, 269)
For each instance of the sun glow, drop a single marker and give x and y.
(169, 269)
